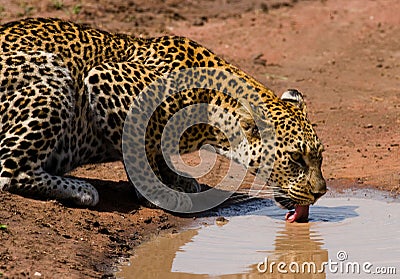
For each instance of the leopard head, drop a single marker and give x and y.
(296, 177)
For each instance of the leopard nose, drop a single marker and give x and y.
(319, 188)
(318, 195)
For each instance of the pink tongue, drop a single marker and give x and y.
(300, 214)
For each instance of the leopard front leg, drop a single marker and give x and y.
(170, 178)
(152, 188)
(179, 182)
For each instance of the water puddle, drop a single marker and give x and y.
(348, 237)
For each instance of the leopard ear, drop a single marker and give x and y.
(294, 97)
(247, 113)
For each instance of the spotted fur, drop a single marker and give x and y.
(66, 89)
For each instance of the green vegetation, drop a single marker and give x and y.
(28, 10)
(58, 4)
(2, 10)
(77, 9)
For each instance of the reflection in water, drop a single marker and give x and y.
(154, 259)
(237, 248)
(295, 245)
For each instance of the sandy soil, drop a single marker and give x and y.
(343, 55)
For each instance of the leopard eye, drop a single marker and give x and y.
(298, 159)
(254, 131)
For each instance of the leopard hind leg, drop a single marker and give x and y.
(36, 111)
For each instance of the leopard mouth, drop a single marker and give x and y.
(300, 214)
(297, 213)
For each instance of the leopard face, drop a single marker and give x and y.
(297, 177)
(92, 79)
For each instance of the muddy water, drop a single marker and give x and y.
(346, 238)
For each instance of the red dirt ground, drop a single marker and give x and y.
(343, 55)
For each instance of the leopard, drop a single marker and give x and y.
(69, 92)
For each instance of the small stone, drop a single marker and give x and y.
(148, 220)
(104, 231)
(200, 21)
(220, 221)
(38, 274)
(66, 236)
